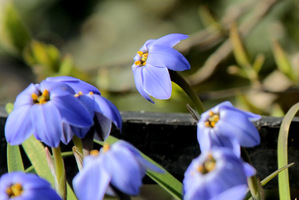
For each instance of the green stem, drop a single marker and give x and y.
(60, 182)
(253, 182)
(180, 81)
(78, 143)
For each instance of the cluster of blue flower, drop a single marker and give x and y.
(61, 108)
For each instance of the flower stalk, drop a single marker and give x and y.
(180, 81)
(60, 183)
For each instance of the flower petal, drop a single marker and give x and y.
(137, 71)
(169, 40)
(126, 178)
(18, 126)
(237, 193)
(24, 98)
(76, 84)
(160, 56)
(157, 82)
(73, 111)
(108, 109)
(236, 125)
(47, 123)
(102, 127)
(91, 182)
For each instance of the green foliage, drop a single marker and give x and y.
(282, 153)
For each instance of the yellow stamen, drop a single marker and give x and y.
(43, 98)
(34, 96)
(94, 152)
(78, 94)
(14, 190)
(212, 120)
(106, 147)
(91, 93)
(208, 166)
(137, 62)
(140, 53)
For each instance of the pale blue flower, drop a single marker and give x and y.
(152, 62)
(119, 165)
(227, 126)
(21, 186)
(101, 110)
(43, 110)
(217, 175)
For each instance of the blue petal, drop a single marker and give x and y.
(108, 109)
(91, 182)
(144, 163)
(169, 40)
(249, 170)
(40, 194)
(237, 193)
(24, 98)
(157, 82)
(236, 125)
(160, 56)
(73, 111)
(137, 71)
(102, 127)
(67, 133)
(203, 137)
(55, 88)
(76, 84)
(18, 125)
(47, 123)
(127, 174)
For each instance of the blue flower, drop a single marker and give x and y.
(218, 174)
(227, 126)
(101, 110)
(151, 65)
(21, 186)
(119, 165)
(43, 110)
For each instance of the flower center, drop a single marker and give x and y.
(41, 99)
(94, 152)
(143, 58)
(208, 166)
(14, 190)
(106, 147)
(212, 120)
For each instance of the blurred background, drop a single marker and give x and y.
(242, 51)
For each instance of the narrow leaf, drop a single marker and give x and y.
(36, 154)
(14, 158)
(258, 63)
(282, 153)
(271, 176)
(70, 193)
(240, 53)
(168, 182)
(282, 61)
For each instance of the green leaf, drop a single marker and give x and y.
(282, 61)
(36, 154)
(70, 193)
(282, 153)
(165, 180)
(14, 35)
(8, 107)
(239, 50)
(14, 158)
(271, 176)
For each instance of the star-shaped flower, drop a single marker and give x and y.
(217, 175)
(151, 65)
(21, 186)
(101, 110)
(117, 166)
(226, 126)
(42, 110)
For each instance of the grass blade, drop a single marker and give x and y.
(282, 153)
(14, 158)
